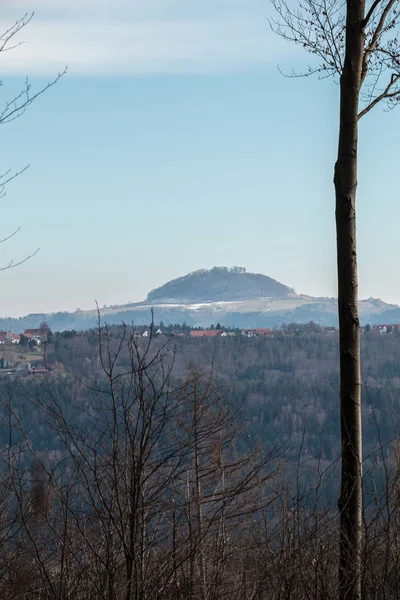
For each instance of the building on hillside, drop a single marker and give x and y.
(382, 328)
(33, 332)
(145, 334)
(159, 332)
(32, 338)
(36, 334)
(205, 333)
(257, 332)
(14, 338)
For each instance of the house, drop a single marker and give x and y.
(205, 333)
(36, 334)
(247, 332)
(382, 328)
(14, 338)
(32, 338)
(33, 333)
(159, 332)
(145, 334)
(256, 332)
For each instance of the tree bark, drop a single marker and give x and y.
(350, 501)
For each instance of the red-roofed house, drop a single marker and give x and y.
(35, 334)
(14, 338)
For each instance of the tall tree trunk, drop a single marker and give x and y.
(350, 502)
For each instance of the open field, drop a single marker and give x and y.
(19, 354)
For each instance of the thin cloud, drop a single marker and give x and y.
(156, 36)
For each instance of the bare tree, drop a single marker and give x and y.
(357, 42)
(14, 107)
(145, 491)
(147, 496)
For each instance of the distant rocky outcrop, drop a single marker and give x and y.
(220, 284)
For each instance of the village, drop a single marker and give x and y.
(24, 353)
(285, 330)
(34, 337)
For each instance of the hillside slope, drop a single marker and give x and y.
(218, 284)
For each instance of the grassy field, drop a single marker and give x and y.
(17, 354)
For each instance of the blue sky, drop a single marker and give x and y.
(172, 144)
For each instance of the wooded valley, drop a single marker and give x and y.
(192, 468)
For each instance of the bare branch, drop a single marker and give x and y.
(10, 236)
(12, 264)
(318, 27)
(10, 33)
(17, 106)
(379, 28)
(371, 12)
(6, 178)
(385, 94)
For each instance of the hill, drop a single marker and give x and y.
(231, 297)
(218, 284)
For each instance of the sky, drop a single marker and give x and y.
(173, 143)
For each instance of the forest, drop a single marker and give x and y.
(283, 384)
(191, 468)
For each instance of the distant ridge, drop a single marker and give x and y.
(220, 284)
(229, 296)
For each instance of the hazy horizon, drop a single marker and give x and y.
(123, 302)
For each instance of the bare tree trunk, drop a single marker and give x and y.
(199, 506)
(350, 502)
